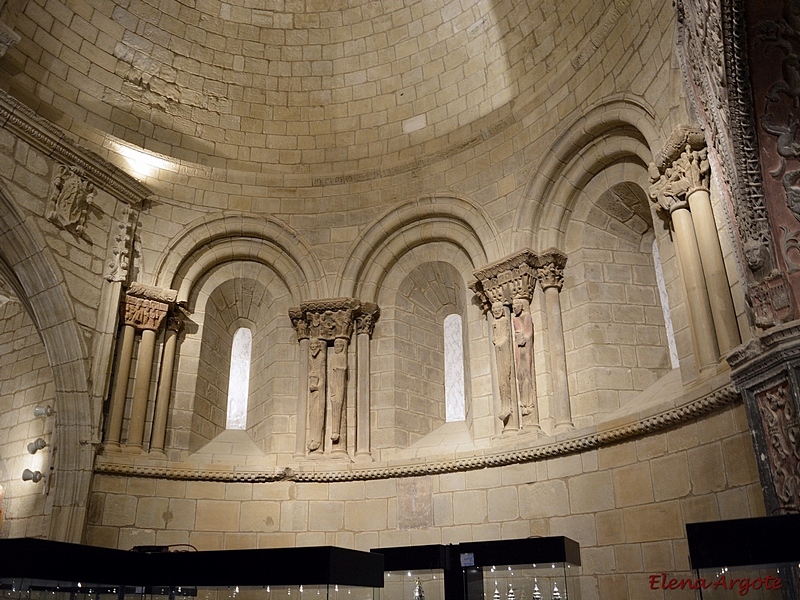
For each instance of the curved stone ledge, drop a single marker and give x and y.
(496, 457)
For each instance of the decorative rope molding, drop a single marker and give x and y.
(53, 142)
(658, 422)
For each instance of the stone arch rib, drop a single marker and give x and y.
(25, 256)
(215, 240)
(427, 219)
(609, 132)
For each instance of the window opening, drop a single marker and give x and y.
(239, 379)
(453, 369)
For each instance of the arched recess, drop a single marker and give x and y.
(614, 322)
(424, 220)
(29, 267)
(211, 240)
(588, 199)
(234, 294)
(416, 262)
(605, 134)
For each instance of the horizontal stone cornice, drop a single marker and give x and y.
(53, 142)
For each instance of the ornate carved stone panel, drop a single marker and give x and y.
(71, 195)
(779, 422)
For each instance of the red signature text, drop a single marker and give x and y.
(742, 585)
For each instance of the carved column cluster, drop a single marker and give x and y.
(680, 178)
(505, 289)
(144, 310)
(324, 330)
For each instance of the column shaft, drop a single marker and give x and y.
(141, 388)
(117, 409)
(164, 391)
(558, 359)
(362, 396)
(302, 400)
(696, 293)
(719, 294)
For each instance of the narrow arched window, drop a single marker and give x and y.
(239, 379)
(453, 369)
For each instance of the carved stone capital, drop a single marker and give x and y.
(550, 269)
(513, 277)
(176, 318)
(299, 323)
(332, 318)
(7, 39)
(142, 313)
(366, 317)
(680, 169)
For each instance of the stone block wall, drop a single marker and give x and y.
(26, 381)
(626, 504)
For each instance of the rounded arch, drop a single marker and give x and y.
(402, 228)
(214, 240)
(614, 131)
(35, 275)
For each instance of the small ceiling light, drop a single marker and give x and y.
(34, 476)
(36, 445)
(43, 411)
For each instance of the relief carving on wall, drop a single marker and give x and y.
(71, 195)
(711, 44)
(782, 435)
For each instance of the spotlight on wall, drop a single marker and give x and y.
(36, 445)
(43, 411)
(34, 476)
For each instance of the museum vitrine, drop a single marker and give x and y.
(522, 569)
(45, 570)
(757, 559)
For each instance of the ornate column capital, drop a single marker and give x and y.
(550, 269)
(680, 169)
(146, 307)
(175, 319)
(299, 323)
(8, 38)
(331, 318)
(366, 317)
(513, 277)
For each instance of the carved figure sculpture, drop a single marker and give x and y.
(70, 197)
(523, 356)
(338, 386)
(316, 393)
(502, 352)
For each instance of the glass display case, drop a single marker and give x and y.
(757, 559)
(525, 569)
(414, 572)
(45, 570)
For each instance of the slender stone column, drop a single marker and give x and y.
(719, 293)
(141, 388)
(174, 326)
(116, 411)
(680, 178)
(696, 292)
(301, 329)
(365, 324)
(551, 278)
